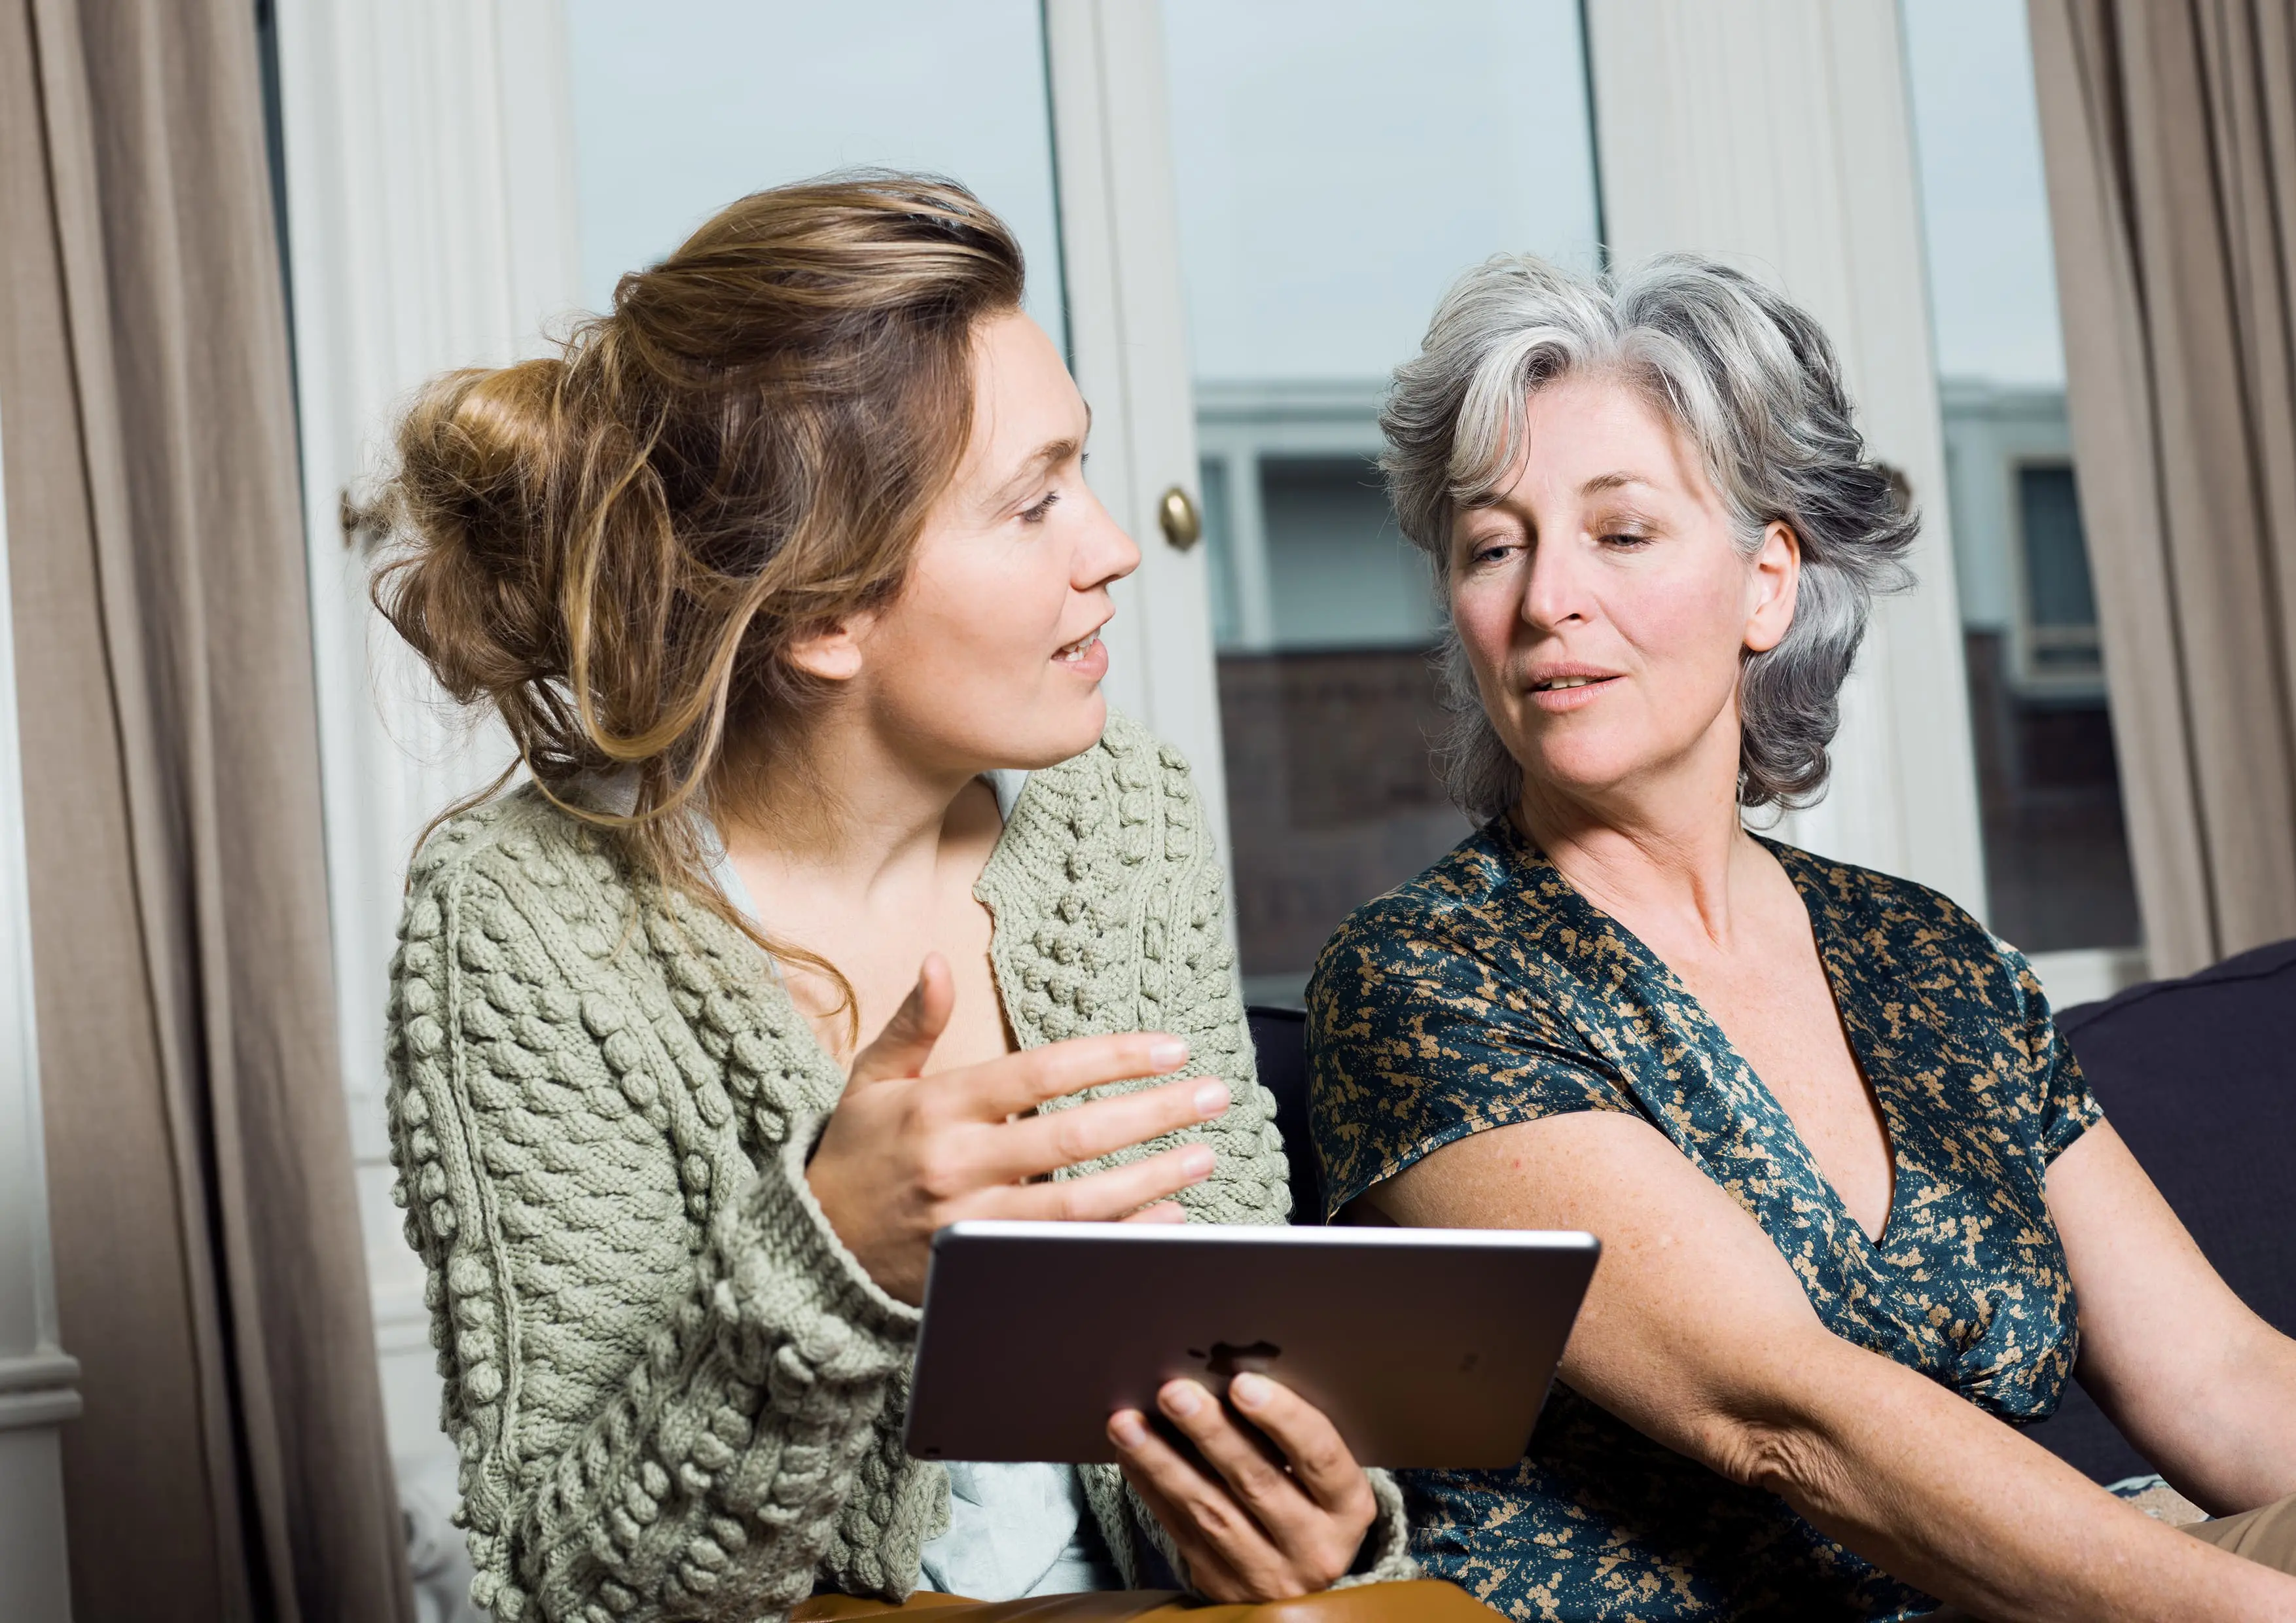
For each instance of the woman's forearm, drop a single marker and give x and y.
(2203, 1387)
(2232, 1447)
(1924, 1485)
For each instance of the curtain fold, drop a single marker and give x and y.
(231, 1461)
(2169, 128)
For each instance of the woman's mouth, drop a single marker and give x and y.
(1087, 656)
(1558, 693)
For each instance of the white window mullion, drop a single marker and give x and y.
(1127, 341)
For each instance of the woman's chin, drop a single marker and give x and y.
(1579, 776)
(1054, 733)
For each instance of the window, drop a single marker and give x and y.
(679, 110)
(1322, 212)
(2056, 857)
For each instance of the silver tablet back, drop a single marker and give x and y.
(1426, 1347)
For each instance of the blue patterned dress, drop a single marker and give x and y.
(1488, 991)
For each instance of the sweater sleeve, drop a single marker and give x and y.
(1190, 987)
(662, 1394)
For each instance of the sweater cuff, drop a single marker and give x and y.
(1386, 1556)
(787, 1271)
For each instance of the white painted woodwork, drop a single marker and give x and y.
(1776, 135)
(1128, 343)
(38, 1380)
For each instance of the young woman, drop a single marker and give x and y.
(767, 575)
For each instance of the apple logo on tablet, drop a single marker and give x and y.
(1227, 1360)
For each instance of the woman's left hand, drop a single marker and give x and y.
(1257, 1530)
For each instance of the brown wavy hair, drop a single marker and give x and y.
(613, 547)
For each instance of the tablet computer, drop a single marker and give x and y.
(1426, 1347)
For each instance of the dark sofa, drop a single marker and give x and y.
(2198, 1075)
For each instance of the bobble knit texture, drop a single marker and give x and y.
(674, 1392)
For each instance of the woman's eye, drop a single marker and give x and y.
(1036, 515)
(1628, 538)
(1487, 551)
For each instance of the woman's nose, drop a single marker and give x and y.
(1105, 552)
(1553, 589)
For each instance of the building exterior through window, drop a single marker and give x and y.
(2056, 854)
(1322, 215)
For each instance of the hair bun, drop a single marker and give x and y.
(472, 583)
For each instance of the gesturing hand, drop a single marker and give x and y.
(1250, 1528)
(905, 1154)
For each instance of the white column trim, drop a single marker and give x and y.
(38, 1379)
(1776, 135)
(1127, 341)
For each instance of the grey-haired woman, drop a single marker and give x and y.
(1851, 1184)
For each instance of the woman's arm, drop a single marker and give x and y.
(642, 1428)
(664, 1397)
(2204, 1388)
(1697, 1332)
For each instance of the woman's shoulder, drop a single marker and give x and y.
(1902, 913)
(520, 831)
(1474, 902)
(1911, 936)
(1130, 796)
(522, 865)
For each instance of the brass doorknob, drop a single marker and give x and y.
(1176, 516)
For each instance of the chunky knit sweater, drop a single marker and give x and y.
(674, 1392)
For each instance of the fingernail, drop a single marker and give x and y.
(1196, 1161)
(1249, 1390)
(1180, 1398)
(1167, 1052)
(1126, 1429)
(1211, 1098)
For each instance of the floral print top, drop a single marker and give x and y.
(1488, 991)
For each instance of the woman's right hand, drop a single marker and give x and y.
(905, 1154)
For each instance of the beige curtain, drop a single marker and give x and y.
(230, 1463)
(2170, 128)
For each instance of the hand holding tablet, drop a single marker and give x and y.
(1309, 1511)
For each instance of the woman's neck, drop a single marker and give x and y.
(1670, 850)
(845, 815)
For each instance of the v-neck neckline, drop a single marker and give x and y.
(1007, 786)
(1846, 999)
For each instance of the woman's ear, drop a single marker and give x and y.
(1775, 582)
(831, 652)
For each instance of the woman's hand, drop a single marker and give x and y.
(905, 1154)
(1258, 1531)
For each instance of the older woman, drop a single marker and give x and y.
(1849, 1182)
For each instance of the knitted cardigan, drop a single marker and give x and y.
(674, 1392)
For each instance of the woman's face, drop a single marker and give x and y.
(1605, 606)
(990, 656)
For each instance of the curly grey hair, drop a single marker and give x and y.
(1753, 386)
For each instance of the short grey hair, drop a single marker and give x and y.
(1752, 385)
